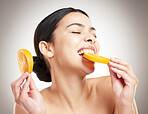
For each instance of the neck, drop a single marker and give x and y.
(71, 89)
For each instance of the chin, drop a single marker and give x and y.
(89, 68)
(89, 71)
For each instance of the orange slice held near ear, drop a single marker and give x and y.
(96, 58)
(25, 61)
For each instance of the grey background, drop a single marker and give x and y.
(122, 29)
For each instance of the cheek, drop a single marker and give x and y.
(66, 52)
(69, 43)
(66, 46)
(97, 47)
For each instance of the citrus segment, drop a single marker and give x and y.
(25, 61)
(96, 58)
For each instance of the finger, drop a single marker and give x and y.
(121, 67)
(20, 80)
(121, 62)
(16, 86)
(127, 79)
(112, 74)
(126, 66)
(32, 85)
(24, 92)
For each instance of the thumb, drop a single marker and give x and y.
(112, 74)
(32, 85)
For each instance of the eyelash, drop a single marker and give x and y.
(80, 33)
(76, 32)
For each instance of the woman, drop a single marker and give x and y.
(60, 40)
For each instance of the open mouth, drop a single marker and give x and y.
(81, 51)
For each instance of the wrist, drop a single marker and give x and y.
(126, 111)
(39, 112)
(126, 108)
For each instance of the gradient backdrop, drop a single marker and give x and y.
(122, 30)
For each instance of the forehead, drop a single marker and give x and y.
(75, 17)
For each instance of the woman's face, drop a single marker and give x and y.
(73, 36)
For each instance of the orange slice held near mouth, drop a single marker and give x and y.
(96, 58)
(25, 61)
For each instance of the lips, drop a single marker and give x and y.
(88, 49)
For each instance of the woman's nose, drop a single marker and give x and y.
(90, 40)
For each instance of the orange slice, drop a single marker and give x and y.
(96, 58)
(25, 61)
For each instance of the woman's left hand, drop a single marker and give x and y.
(124, 83)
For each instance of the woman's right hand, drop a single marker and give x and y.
(28, 96)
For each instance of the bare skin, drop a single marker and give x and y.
(98, 100)
(71, 92)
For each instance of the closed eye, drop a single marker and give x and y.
(76, 32)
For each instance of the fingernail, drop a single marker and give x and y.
(112, 58)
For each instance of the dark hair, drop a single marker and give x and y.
(44, 32)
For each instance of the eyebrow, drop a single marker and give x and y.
(81, 25)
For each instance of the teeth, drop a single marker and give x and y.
(86, 50)
(81, 52)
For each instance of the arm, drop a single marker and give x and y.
(124, 84)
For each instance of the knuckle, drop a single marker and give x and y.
(16, 101)
(126, 64)
(12, 84)
(21, 99)
(125, 69)
(136, 80)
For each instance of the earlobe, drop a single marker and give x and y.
(46, 49)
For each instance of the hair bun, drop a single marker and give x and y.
(41, 69)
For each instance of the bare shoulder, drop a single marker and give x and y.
(19, 110)
(104, 81)
(103, 87)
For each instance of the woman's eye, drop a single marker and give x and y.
(76, 32)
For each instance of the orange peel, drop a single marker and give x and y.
(25, 61)
(96, 58)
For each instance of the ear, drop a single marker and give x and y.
(46, 49)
